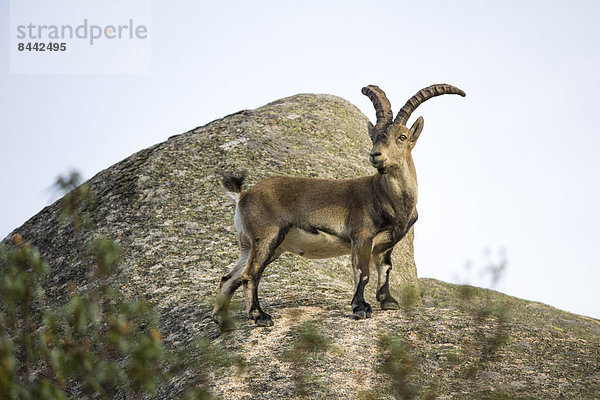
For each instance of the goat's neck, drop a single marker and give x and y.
(399, 189)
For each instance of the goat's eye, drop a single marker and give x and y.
(402, 138)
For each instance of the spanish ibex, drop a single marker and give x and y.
(321, 218)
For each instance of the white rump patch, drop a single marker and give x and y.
(237, 220)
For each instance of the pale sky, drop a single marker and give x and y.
(512, 167)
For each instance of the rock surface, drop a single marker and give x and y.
(165, 207)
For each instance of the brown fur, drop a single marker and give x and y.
(319, 218)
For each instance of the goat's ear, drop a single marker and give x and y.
(416, 129)
(371, 130)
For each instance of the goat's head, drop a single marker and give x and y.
(392, 140)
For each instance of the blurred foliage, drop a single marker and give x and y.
(307, 348)
(401, 365)
(98, 345)
(485, 343)
(397, 362)
(409, 297)
(77, 201)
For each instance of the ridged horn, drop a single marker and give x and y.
(424, 95)
(383, 108)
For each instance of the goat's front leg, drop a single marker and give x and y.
(361, 256)
(383, 262)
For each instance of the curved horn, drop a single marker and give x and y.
(383, 108)
(424, 95)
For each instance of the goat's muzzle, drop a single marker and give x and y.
(379, 161)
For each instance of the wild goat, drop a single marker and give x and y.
(322, 218)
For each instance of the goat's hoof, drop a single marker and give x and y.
(362, 311)
(359, 314)
(224, 321)
(390, 304)
(226, 325)
(263, 319)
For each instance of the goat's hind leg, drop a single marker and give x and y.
(229, 284)
(263, 252)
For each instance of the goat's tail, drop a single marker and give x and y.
(232, 182)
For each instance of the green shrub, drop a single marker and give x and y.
(99, 344)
